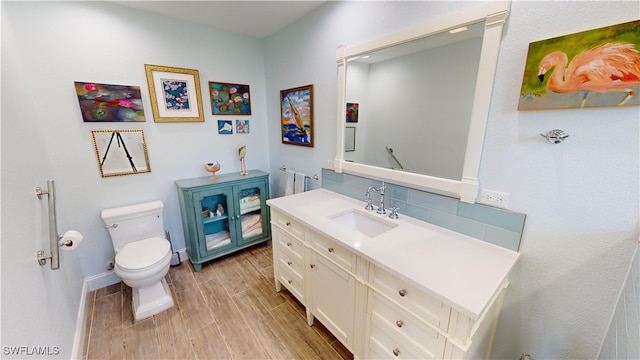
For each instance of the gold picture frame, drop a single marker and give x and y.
(120, 152)
(296, 116)
(175, 94)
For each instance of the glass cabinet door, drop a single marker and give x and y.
(216, 226)
(252, 218)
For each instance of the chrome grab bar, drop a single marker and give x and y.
(53, 227)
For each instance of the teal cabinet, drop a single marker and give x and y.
(221, 216)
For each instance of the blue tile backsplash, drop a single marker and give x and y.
(497, 226)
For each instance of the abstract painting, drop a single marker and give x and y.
(599, 67)
(296, 114)
(175, 94)
(242, 126)
(109, 103)
(352, 112)
(225, 127)
(229, 99)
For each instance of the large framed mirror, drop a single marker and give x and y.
(423, 96)
(120, 152)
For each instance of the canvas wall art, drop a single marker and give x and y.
(296, 114)
(175, 94)
(242, 126)
(352, 112)
(229, 99)
(109, 103)
(225, 127)
(599, 67)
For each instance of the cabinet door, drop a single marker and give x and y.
(333, 297)
(214, 232)
(251, 220)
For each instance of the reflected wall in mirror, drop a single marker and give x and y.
(120, 152)
(423, 95)
(415, 102)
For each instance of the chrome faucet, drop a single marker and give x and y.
(381, 209)
(369, 205)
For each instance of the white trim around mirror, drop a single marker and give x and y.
(494, 14)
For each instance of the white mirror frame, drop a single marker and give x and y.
(494, 14)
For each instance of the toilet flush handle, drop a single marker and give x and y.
(112, 226)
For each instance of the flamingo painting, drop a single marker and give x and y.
(604, 68)
(599, 67)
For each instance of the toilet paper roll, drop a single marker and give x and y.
(70, 240)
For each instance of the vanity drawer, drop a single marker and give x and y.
(287, 223)
(293, 282)
(291, 263)
(336, 253)
(409, 297)
(383, 346)
(397, 323)
(287, 244)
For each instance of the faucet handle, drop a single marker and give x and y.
(369, 205)
(394, 212)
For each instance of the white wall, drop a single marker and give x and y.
(581, 196)
(62, 42)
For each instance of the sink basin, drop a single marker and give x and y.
(368, 225)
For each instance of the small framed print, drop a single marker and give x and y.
(175, 94)
(296, 114)
(352, 112)
(242, 126)
(225, 127)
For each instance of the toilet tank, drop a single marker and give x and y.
(134, 222)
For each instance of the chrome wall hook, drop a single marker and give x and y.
(555, 136)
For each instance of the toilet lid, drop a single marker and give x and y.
(142, 253)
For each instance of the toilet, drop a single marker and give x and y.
(143, 255)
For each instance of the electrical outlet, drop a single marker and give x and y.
(494, 198)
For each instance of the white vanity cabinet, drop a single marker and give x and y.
(414, 291)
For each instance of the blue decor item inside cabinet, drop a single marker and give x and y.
(223, 215)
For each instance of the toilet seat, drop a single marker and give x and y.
(143, 254)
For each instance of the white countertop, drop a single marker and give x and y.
(457, 269)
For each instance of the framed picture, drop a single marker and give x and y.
(225, 127)
(229, 99)
(349, 139)
(593, 68)
(242, 126)
(296, 114)
(352, 112)
(109, 103)
(175, 94)
(120, 152)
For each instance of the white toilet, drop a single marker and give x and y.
(143, 255)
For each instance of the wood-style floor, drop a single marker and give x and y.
(229, 310)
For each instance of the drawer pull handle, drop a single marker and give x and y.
(288, 223)
(402, 292)
(289, 263)
(399, 323)
(396, 352)
(288, 244)
(330, 250)
(313, 266)
(290, 282)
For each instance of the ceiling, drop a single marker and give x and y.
(257, 19)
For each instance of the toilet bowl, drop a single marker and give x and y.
(143, 256)
(143, 265)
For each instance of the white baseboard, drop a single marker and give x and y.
(183, 254)
(102, 280)
(78, 339)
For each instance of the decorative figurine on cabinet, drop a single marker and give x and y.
(242, 152)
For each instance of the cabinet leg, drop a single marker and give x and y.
(278, 285)
(197, 267)
(309, 318)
